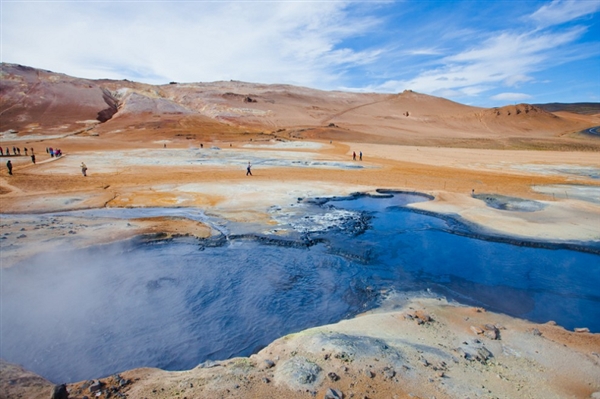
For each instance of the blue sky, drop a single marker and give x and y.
(484, 53)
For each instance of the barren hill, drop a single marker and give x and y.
(37, 102)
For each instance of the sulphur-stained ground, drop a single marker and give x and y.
(562, 187)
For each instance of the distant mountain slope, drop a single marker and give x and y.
(576, 108)
(33, 99)
(34, 102)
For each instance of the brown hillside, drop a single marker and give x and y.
(35, 102)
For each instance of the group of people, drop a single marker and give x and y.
(16, 151)
(354, 155)
(53, 152)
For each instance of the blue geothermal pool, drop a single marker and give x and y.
(173, 304)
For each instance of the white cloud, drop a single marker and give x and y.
(511, 96)
(503, 60)
(155, 42)
(424, 51)
(561, 11)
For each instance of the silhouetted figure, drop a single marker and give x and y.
(25, 151)
(1, 153)
(33, 158)
(9, 167)
(360, 155)
(354, 156)
(248, 171)
(83, 169)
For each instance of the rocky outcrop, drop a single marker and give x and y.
(113, 106)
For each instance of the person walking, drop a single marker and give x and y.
(33, 158)
(360, 154)
(9, 167)
(354, 155)
(248, 171)
(83, 169)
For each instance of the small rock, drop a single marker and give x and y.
(536, 332)
(96, 386)
(476, 330)
(333, 376)
(421, 315)
(577, 330)
(266, 380)
(484, 354)
(333, 394)
(369, 373)
(60, 392)
(493, 333)
(268, 364)
(389, 372)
